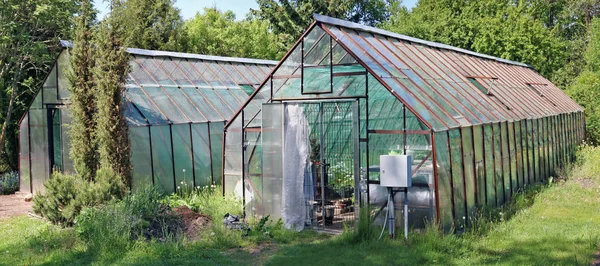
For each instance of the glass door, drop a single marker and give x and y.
(55, 140)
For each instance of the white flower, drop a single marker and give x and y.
(178, 187)
(182, 182)
(184, 170)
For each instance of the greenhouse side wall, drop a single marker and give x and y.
(487, 165)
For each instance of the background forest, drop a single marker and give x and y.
(559, 38)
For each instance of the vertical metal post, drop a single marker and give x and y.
(475, 177)
(244, 166)
(301, 69)
(405, 213)
(368, 177)
(50, 133)
(322, 163)
(464, 174)
(330, 64)
(151, 155)
(173, 157)
(193, 160)
(451, 180)
(485, 192)
(212, 178)
(29, 152)
(404, 127)
(356, 140)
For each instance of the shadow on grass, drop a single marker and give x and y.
(544, 251)
(63, 249)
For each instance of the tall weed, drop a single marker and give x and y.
(207, 200)
(137, 216)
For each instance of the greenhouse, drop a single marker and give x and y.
(306, 146)
(176, 105)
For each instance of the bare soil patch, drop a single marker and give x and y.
(596, 261)
(193, 222)
(13, 205)
(585, 182)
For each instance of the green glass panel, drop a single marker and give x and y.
(166, 105)
(512, 158)
(185, 104)
(457, 180)
(162, 158)
(479, 165)
(468, 157)
(490, 182)
(182, 154)
(24, 167)
(506, 161)
(498, 166)
(141, 161)
(64, 66)
(216, 146)
(39, 148)
(202, 154)
(205, 106)
(444, 181)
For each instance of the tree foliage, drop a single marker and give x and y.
(502, 28)
(218, 33)
(149, 24)
(29, 33)
(586, 88)
(291, 17)
(83, 106)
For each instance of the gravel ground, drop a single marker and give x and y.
(13, 205)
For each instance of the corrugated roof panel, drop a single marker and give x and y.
(433, 77)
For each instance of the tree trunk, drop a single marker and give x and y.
(11, 103)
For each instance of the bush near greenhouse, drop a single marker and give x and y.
(139, 216)
(66, 195)
(9, 183)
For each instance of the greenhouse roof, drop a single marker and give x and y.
(179, 88)
(449, 87)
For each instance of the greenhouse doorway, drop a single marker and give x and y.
(319, 158)
(55, 139)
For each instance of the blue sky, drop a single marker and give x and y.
(190, 7)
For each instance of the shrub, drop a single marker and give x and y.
(67, 194)
(9, 183)
(137, 216)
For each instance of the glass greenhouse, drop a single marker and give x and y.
(176, 107)
(306, 146)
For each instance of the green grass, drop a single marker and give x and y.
(555, 224)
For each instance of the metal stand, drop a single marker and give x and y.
(391, 214)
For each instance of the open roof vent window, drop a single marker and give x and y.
(538, 88)
(247, 88)
(479, 86)
(489, 81)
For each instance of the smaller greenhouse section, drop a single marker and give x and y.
(176, 106)
(306, 146)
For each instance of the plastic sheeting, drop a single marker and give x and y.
(296, 154)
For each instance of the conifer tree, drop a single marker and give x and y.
(109, 74)
(83, 108)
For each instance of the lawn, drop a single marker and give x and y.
(556, 224)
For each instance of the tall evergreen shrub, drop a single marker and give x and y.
(111, 128)
(83, 107)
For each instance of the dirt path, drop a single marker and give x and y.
(13, 205)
